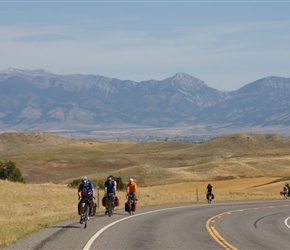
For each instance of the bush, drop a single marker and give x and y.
(9, 171)
(76, 182)
(101, 183)
(120, 184)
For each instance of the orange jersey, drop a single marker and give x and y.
(132, 187)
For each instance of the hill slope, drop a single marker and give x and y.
(49, 158)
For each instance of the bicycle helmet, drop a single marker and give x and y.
(85, 181)
(110, 178)
(131, 179)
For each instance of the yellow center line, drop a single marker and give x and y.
(217, 237)
(221, 240)
(214, 233)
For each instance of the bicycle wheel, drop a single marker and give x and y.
(94, 210)
(110, 212)
(130, 207)
(209, 199)
(87, 208)
(112, 206)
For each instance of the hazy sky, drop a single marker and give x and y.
(226, 44)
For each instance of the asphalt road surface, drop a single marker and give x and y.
(233, 225)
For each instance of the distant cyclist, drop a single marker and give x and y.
(208, 191)
(86, 190)
(132, 188)
(109, 190)
(286, 191)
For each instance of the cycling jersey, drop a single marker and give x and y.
(110, 187)
(132, 187)
(86, 191)
(209, 189)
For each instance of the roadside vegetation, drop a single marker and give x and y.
(98, 183)
(9, 171)
(240, 167)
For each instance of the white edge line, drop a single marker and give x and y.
(97, 234)
(285, 221)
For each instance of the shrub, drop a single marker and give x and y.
(101, 183)
(9, 171)
(120, 184)
(76, 182)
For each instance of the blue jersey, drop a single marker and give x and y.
(86, 191)
(110, 187)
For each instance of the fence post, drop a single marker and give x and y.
(98, 197)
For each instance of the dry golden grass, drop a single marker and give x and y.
(26, 208)
(240, 167)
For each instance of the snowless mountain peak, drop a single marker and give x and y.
(186, 80)
(14, 71)
(184, 76)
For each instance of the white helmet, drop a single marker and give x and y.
(85, 181)
(131, 179)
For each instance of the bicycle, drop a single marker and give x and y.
(131, 203)
(87, 211)
(286, 195)
(209, 198)
(111, 204)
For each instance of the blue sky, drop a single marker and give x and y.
(226, 44)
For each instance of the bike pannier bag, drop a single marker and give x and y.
(134, 207)
(104, 200)
(126, 207)
(117, 201)
(79, 208)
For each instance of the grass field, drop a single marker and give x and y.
(240, 167)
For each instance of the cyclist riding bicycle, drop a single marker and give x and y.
(286, 190)
(86, 190)
(132, 188)
(209, 190)
(109, 189)
(115, 182)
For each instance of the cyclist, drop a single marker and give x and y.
(109, 189)
(286, 191)
(86, 190)
(208, 190)
(115, 182)
(132, 188)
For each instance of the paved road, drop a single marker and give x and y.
(237, 225)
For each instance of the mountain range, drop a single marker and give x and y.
(103, 107)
